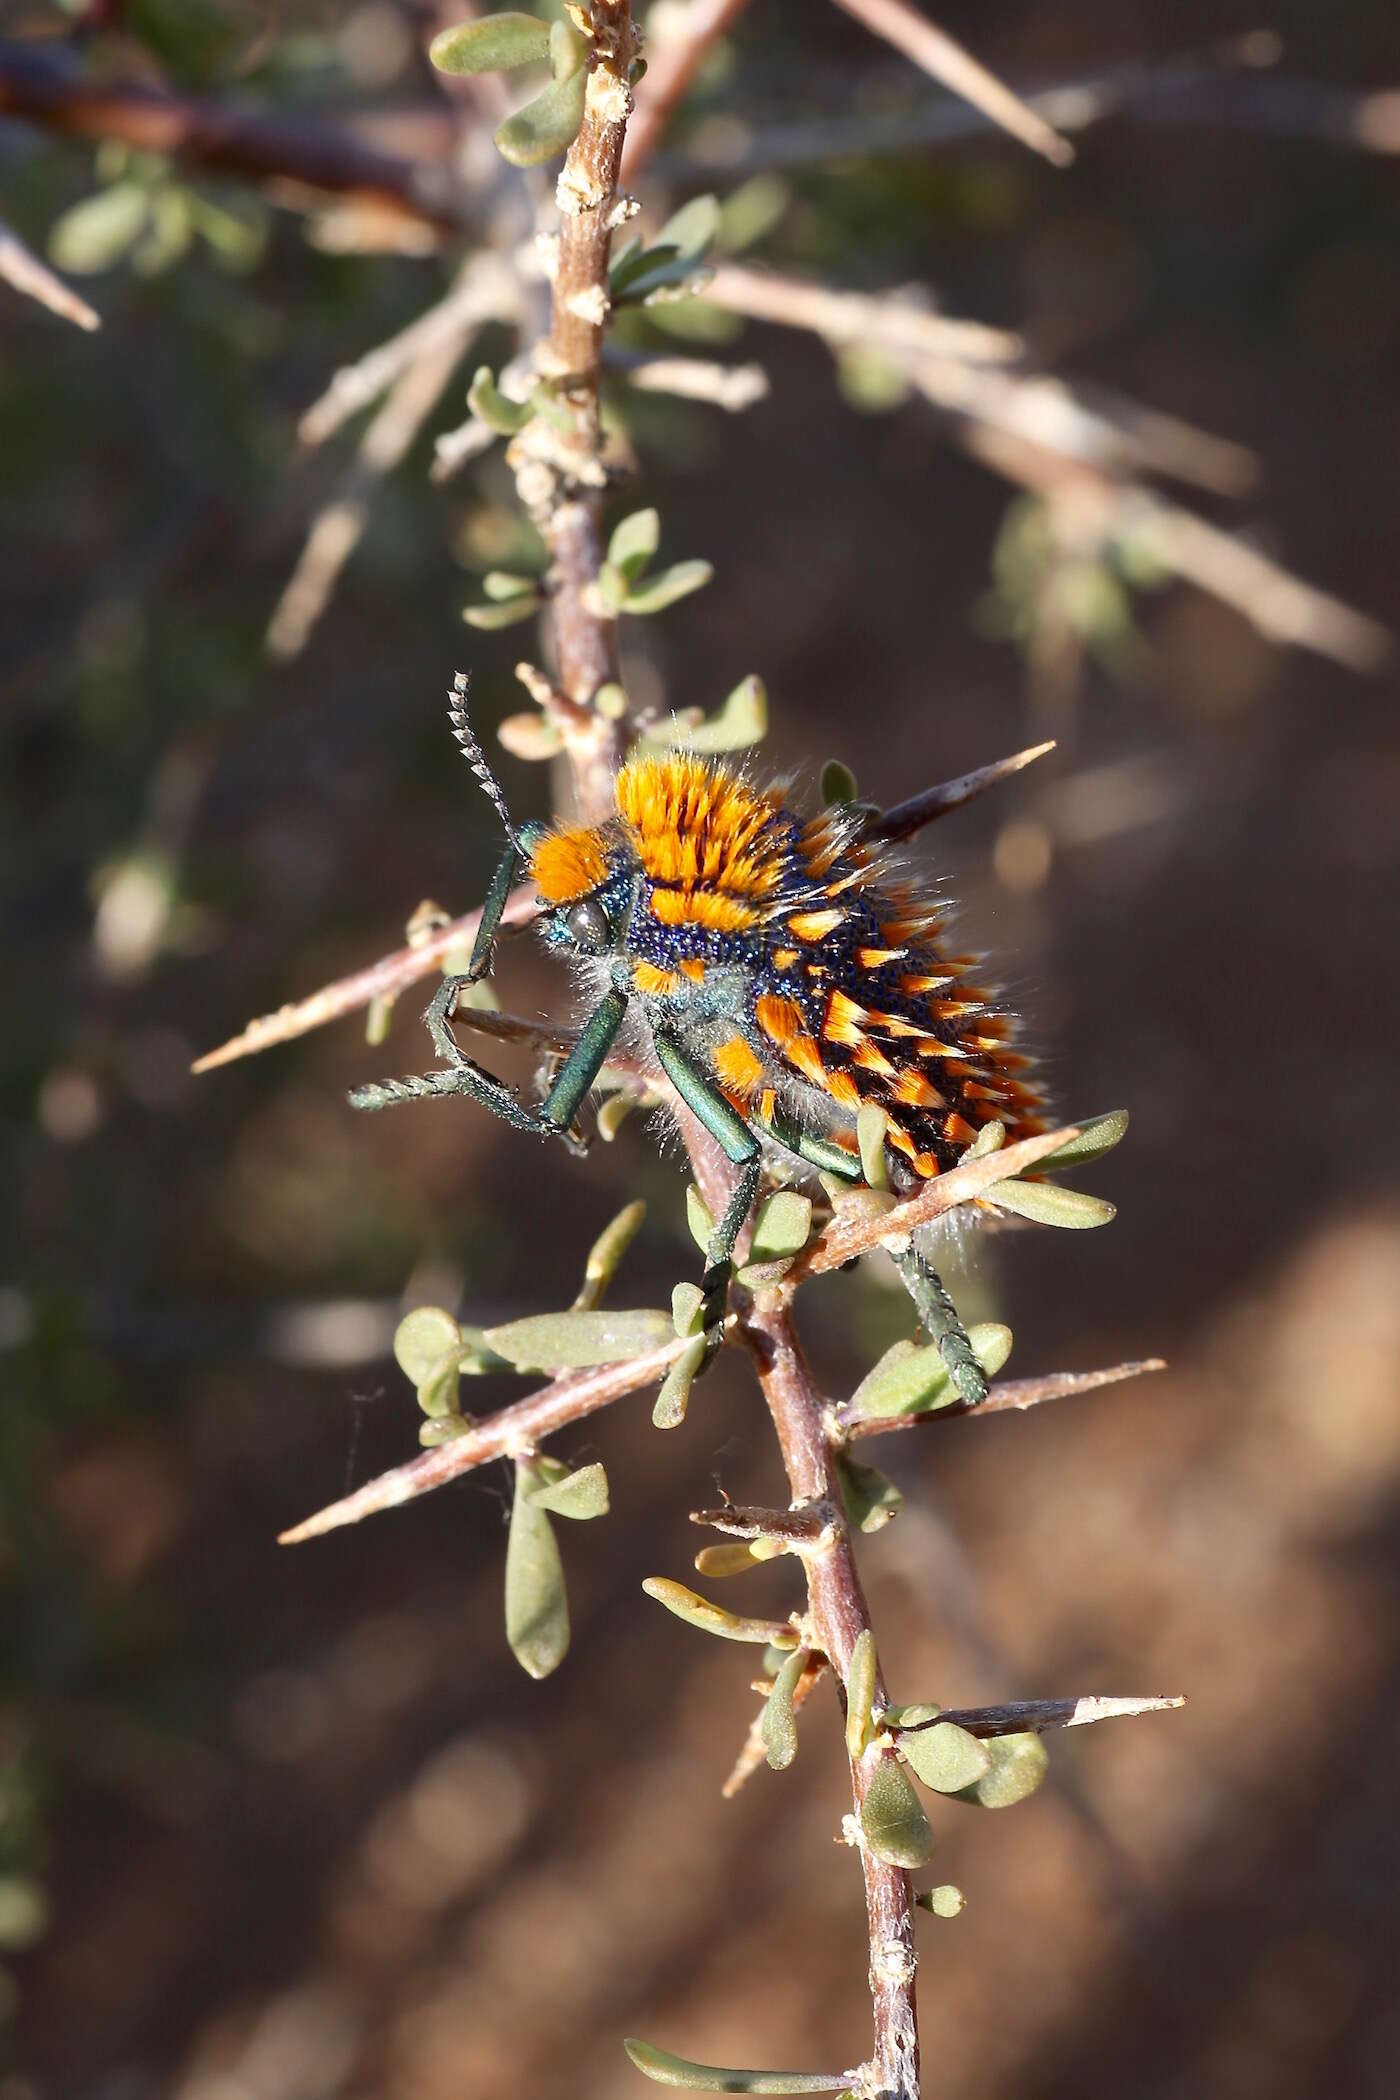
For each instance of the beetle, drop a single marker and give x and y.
(781, 971)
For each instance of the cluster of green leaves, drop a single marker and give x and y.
(143, 211)
(1054, 584)
(624, 584)
(435, 1351)
(506, 43)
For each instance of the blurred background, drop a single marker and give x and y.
(281, 1824)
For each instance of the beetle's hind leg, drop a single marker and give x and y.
(939, 1317)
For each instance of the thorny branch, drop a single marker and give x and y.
(561, 475)
(512, 1432)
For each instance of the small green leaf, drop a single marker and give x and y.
(546, 126)
(1049, 1204)
(1094, 1139)
(491, 44)
(578, 1495)
(485, 399)
(781, 1227)
(634, 541)
(913, 1379)
(860, 1692)
(667, 587)
(566, 50)
(945, 1901)
(990, 1138)
(908, 1716)
(24, 1913)
(605, 1255)
(838, 784)
(531, 737)
(491, 618)
(1018, 1765)
(674, 1397)
(713, 1618)
(710, 2078)
(500, 586)
(698, 1218)
(778, 1726)
(613, 1112)
(733, 1557)
(691, 229)
(421, 1340)
(96, 233)
(945, 1756)
(892, 1818)
(687, 1302)
(378, 1016)
(871, 1125)
(547, 401)
(908, 1379)
(572, 1341)
(612, 588)
(870, 1499)
(742, 721)
(537, 1609)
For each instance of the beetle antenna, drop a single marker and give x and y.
(475, 756)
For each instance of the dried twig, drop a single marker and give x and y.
(340, 525)
(892, 322)
(384, 979)
(21, 267)
(947, 62)
(1017, 1393)
(859, 1231)
(905, 818)
(513, 1432)
(1035, 1715)
(730, 387)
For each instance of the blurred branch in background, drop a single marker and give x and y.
(945, 61)
(218, 135)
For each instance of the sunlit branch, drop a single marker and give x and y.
(513, 1432)
(1006, 1393)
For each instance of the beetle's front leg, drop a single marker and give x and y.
(463, 1076)
(740, 1146)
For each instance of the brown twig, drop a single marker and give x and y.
(384, 979)
(230, 141)
(906, 818)
(838, 1614)
(1007, 1393)
(947, 62)
(853, 1232)
(511, 1433)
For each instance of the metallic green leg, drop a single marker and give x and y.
(939, 1317)
(739, 1145)
(464, 1076)
(484, 944)
(583, 1063)
(820, 1152)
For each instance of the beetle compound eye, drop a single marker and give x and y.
(588, 924)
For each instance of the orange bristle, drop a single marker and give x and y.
(568, 864)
